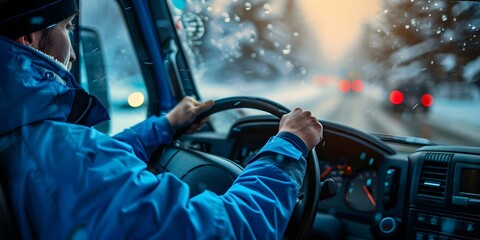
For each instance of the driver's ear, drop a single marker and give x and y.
(28, 39)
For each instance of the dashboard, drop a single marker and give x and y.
(429, 192)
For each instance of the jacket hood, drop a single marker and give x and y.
(34, 87)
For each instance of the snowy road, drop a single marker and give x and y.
(448, 121)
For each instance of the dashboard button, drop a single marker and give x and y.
(459, 225)
(434, 220)
(448, 225)
(469, 227)
(388, 225)
(432, 237)
(421, 218)
(474, 202)
(420, 236)
(461, 201)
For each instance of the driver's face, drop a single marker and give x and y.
(56, 42)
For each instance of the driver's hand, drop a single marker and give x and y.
(304, 125)
(185, 113)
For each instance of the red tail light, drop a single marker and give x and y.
(344, 86)
(357, 85)
(427, 100)
(396, 97)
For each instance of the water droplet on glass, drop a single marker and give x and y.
(454, 19)
(269, 26)
(413, 22)
(407, 26)
(287, 49)
(226, 17)
(267, 8)
(238, 34)
(444, 17)
(237, 18)
(385, 11)
(248, 6)
(303, 71)
(431, 62)
(209, 9)
(253, 36)
(295, 34)
(289, 64)
(276, 44)
(253, 55)
(261, 52)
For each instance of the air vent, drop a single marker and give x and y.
(433, 178)
(439, 157)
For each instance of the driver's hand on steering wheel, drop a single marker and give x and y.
(303, 124)
(185, 112)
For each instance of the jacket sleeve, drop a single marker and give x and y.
(138, 204)
(147, 135)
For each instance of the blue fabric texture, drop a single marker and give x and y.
(68, 180)
(296, 141)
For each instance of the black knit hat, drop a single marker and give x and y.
(19, 17)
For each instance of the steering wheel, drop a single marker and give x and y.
(204, 170)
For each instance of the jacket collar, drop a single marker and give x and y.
(34, 87)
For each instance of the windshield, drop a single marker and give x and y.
(399, 67)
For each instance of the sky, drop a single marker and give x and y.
(338, 23)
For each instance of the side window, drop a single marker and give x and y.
(121, 85)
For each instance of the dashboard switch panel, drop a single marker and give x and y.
(390, 188)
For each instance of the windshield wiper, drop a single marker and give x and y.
(408, 140)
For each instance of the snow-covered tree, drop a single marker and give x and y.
(431, 39)
(251, 40)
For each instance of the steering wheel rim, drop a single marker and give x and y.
(303, 216)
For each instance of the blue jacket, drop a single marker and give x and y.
(65, 179)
